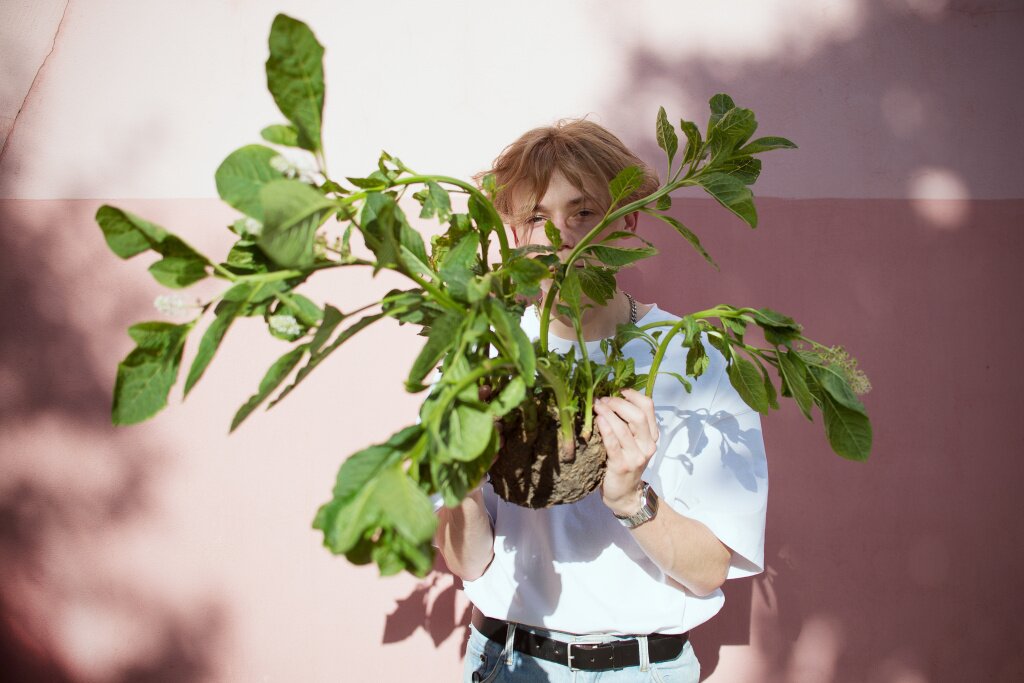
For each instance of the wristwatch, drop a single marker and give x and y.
(648, 508)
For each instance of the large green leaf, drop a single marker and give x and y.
(281, 368)
(292, 212)
(146, 375)
(732, 194)
(128, 235)
(467, 431)
(435, 202)
(749, 384)
(720, 105)
(295, 77)
(242, 175)
(848, 431)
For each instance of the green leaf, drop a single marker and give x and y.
(242, 175)
(794, 374)
(694, 142)
(732, 194)
(597, 283)
(666, 135)
(246, 258)
(508, 398)
(749, 384)
(571, 291)
(746, 169)
(128, 235)
(527, 274)
(295, 77)
(619, 256)
(332, 318)
(376, 182)
(733, 129)
(308, 313)
(682, 380)
(625, 183)
(457, 267)
(292, 213)
(834, 382)
(281, 368)
(696, 358)
(720, 105)
(553, 235)
(467, 431)
(442, 336)
(517, 345)
(687, 234)
(664, 203)
(146, 375)
(766, 144)
(436, 202)
(848, 431)
(483, 215)
(287, 136)
(179, 271)
(211, 340)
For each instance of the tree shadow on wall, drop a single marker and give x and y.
(71, 481)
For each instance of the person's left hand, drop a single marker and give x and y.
(630, 434)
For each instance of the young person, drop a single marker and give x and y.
(611, 585)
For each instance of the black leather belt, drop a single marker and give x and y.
(584, 656)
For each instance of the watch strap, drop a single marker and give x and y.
(648, 508)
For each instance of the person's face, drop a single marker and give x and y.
(571, 212)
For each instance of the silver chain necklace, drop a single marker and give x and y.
(632, 308)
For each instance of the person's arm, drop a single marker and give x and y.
(683, 548)
(465, 537)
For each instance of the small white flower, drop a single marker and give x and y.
(285, 324)
(293, 168)
(252, 226)
(172, 305)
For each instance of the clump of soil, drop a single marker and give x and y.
(528, 471)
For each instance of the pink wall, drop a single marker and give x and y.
(171, 551)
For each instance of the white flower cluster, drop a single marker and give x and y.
(285, 324)
(173, 305)
(293, 168)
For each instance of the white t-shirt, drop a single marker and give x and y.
(575, 568)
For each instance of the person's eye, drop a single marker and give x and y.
(533, 220)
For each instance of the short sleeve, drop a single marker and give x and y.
(726, 486)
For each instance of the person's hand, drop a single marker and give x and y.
(630, 434)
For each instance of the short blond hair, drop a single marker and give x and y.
(587, 154)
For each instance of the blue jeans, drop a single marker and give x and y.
(491, 662)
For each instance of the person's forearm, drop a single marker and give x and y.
(465, 537)
(684, 549)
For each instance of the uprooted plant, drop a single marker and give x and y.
(497, 390)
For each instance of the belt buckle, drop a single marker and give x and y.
(568, 653)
